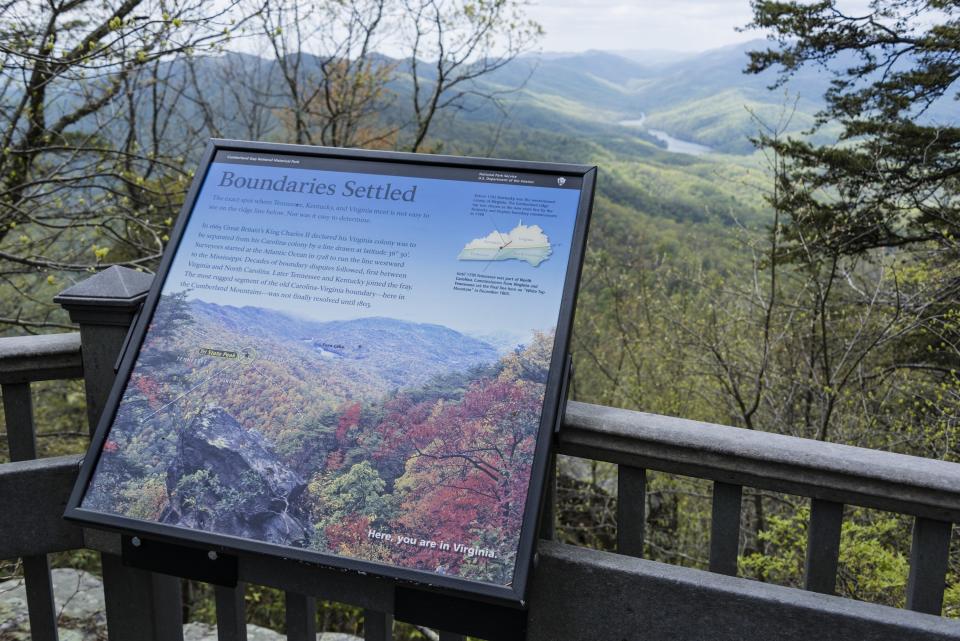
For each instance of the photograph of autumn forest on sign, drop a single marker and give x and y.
(375, 438)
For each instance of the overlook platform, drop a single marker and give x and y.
(577, 593)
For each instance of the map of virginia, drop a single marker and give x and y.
(523, 242)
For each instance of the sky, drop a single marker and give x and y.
(625, 25)
(611, 25)
(673, 25)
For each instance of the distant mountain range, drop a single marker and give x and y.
(699, 97)
(702, 97)
(565, 107)
(397, 353)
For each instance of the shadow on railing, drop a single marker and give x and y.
(576, 593)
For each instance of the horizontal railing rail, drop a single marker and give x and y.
(830, 474)
(816, 469)
(25, 359)
(582, 594)
(36, 493)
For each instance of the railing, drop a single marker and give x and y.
(23, 361)
(576, 593)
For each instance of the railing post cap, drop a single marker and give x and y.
(109, 297)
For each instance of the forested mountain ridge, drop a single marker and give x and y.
(704, 97)
(394, 351)
(582, 94)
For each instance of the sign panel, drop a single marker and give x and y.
(350, 358)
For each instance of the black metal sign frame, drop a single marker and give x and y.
(512, 596)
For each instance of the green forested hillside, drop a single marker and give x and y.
(729, 119)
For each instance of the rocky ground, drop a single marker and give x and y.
(79, 600)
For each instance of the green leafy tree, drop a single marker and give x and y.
(896, 181)
(358, 492)
(887, 193)
(88, 176)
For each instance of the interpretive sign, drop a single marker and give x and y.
(353, 359)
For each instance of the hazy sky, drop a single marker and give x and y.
(679, 25)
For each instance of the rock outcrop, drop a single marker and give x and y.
(228, 480)
(78, 599)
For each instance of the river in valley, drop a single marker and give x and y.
(673, 144)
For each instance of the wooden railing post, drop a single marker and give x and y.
(725, 528)
(823, 546)
(377, 626)
(301, 617)
(140, 606)
(929, 560)
(21, 436)
(631, 509)
(231, 613)
(103, 305)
